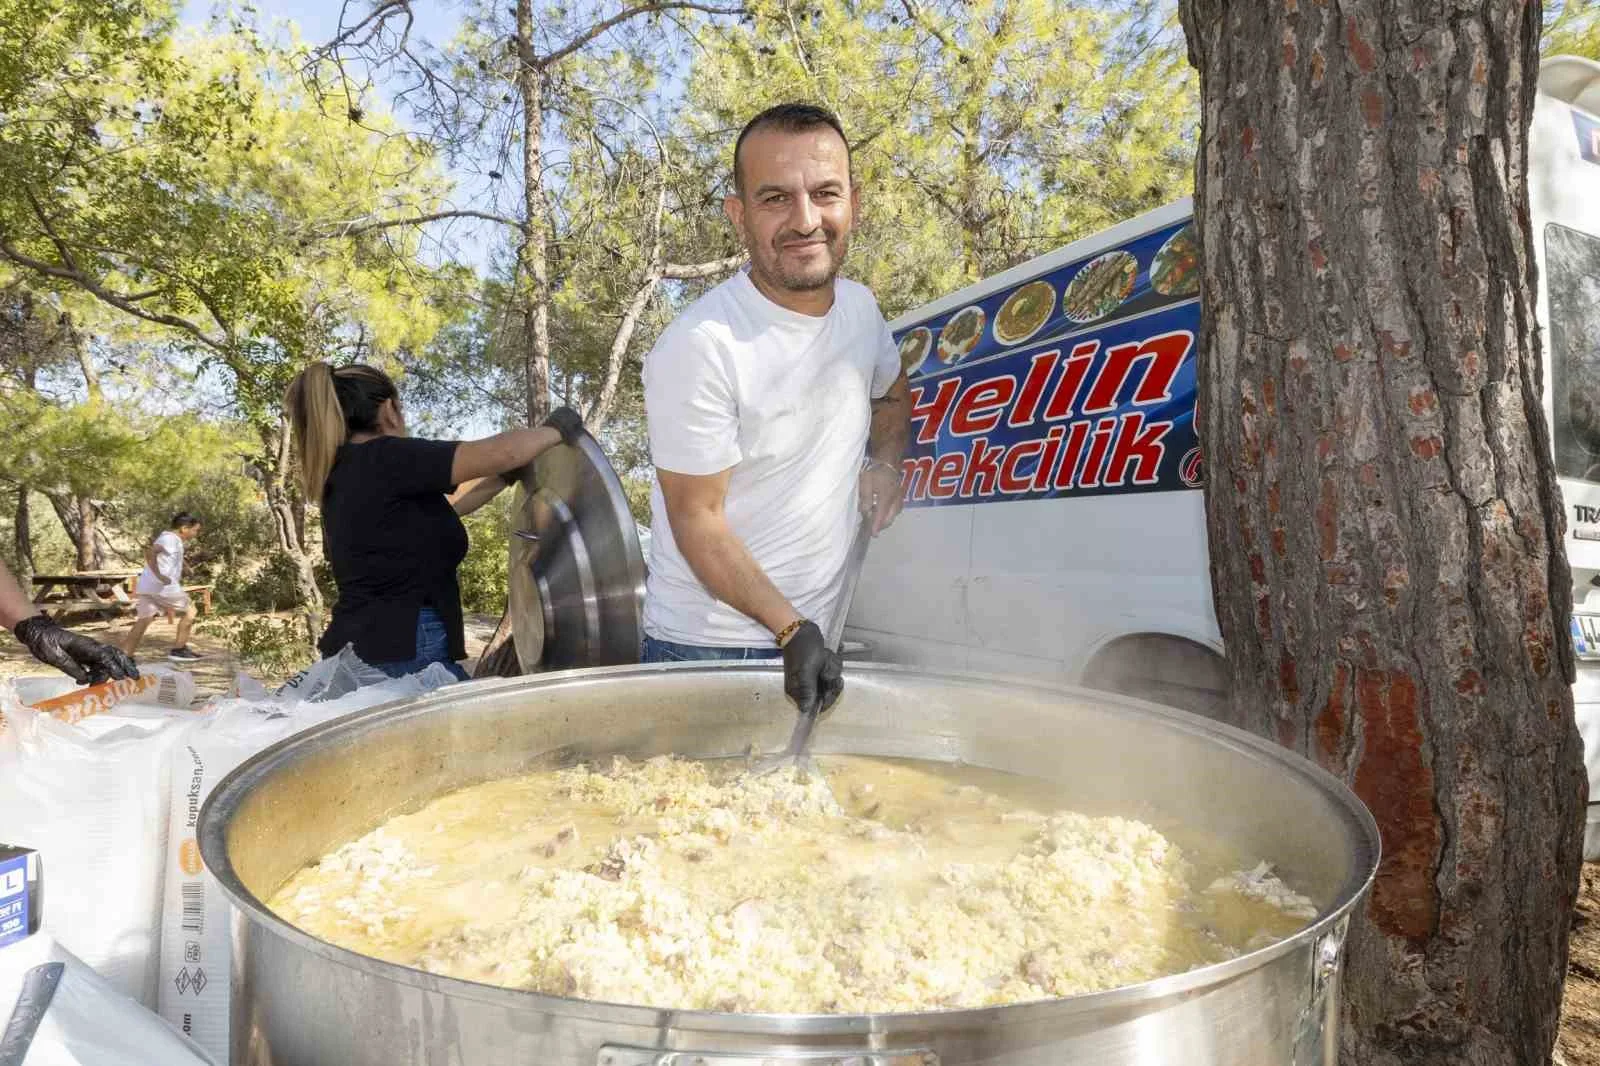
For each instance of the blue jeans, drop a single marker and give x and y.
(665, 651)
(433, 646)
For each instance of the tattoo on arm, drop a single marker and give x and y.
(889, 435)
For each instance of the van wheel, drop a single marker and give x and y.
(1162, 669)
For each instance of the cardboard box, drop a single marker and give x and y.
(21, 893)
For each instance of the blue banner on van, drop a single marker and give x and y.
(1588, 136)
(1079, 381)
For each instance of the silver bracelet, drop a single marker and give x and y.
(880, 462)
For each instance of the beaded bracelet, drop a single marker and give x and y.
(789, 630)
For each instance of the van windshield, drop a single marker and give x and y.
(1572, 267)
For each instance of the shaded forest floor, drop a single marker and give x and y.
(1579, 1042)
(214, 674)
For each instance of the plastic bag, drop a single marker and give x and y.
(195, 952)
(89, 1022)
(67, 701)
(91, 798)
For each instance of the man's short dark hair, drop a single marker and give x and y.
(790, 118)
(184, 519)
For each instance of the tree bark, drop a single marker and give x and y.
(600, 410)
(80, 520)
(22, 535)
(532, 291)
(22, 523)
(287, 525)
(91, 376)
(1386, 532)
(499, 656)
(91, 555)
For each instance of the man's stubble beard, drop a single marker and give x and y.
(837, 245)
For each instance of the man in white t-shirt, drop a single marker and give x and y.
(160, 588)
(778, 414)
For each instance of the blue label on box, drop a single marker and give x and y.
(13, 899)
(1588, 136)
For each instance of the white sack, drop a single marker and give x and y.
(91, 798)
(196, 951)
(88, 1022)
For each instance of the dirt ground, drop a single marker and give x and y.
(214, 674)
(1579, 1042)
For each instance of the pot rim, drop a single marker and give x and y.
(217, 811)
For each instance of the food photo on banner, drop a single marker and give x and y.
(1077, 381)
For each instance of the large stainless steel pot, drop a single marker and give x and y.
(299, 1001)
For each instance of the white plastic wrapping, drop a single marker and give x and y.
(91, 798)
(89, 1022)
(196, 953)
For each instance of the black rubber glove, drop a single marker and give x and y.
(567, 422)
(84, 660)
(813, 674)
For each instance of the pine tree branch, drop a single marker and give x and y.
(120, 301)
(695, 271)
(376, 18)
(549, 59)
(354, 227)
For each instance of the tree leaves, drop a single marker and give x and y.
(216, 216)
(985, 132)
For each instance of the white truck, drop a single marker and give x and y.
(1054, 524)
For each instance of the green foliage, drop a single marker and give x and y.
(190, 182)
(482, 574)
(1572, 28)
(141, 469)
(274, 648)
(986, 132)
(191, 197)
(185, 463)
(271, 586)
(53, 551)
(628, 447)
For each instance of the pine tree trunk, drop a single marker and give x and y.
(288, 524)
(66, 509)
(22, 524)
(80, 519)
(1383, 512)
(91, 554)
(532, 282)
(22, 535)
(499, 656)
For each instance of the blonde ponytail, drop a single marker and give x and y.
(318, 426)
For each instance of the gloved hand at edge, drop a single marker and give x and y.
(85, 660)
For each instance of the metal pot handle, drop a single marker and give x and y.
(614, 1055)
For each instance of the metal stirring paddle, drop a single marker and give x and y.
(795, 753)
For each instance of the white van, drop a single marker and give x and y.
(1054, 526)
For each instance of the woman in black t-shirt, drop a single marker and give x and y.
(391, 512)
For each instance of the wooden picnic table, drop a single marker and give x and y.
(98, 590)
(91, 590)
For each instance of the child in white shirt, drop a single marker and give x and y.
(160, 587)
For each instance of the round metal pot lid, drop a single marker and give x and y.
(577, 572)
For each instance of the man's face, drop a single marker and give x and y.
(796, 208)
